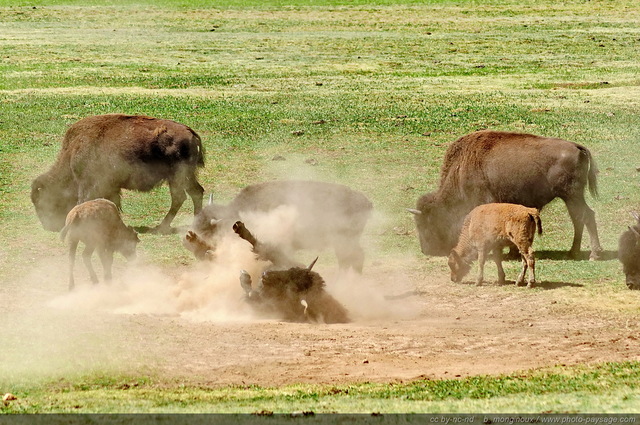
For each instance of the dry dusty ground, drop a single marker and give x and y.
(434, 329)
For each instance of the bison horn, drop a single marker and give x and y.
(211, 199)
(414, 211)
(312, 264)
(636, 216)
(635, 231)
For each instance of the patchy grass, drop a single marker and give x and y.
(373, 93)
(605, 388)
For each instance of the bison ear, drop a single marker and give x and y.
(414, 211)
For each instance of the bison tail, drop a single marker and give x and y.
(201, 154)
(63, 232)
(592, 176)
(538, 223)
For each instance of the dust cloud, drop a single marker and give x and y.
(50, 332)
(210, 290)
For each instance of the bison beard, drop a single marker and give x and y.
(629, 254)
(295, 295)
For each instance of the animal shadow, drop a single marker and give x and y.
(583, 256)
(154, 230)
(555, 285)
(546, 285)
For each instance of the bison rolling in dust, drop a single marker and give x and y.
(328, 215)
(629, 254)
(103, 154)
(98, 225)
(295, 295)
(492, 166)
(488, 228)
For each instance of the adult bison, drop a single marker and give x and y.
(325, 215)
(492, 166)
(629, 254)
(103, 154)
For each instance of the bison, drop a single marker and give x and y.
(327, 215)
(103, 154)
(97, 223)
(629, 254)
(493, 166)
(488, 228)
(296, 294)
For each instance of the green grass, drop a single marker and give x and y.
(604, 388)
(378, 90)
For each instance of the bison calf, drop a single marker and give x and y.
(296, 294)
(629, 254)
(491, 227)
(98, 225)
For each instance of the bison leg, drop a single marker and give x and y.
(582, 215)
(178, 196)
(73, 246)
(520, 278)
(497, 257)
(530, 260)
(106, 257)
(184, 180)
(86, 258)
(196, 244)
(350, 255)
(482, 256)
(196, 193)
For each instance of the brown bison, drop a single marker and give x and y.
(103, 154)
(296, 294)
(98, 225)
(488, 228)
(328, 215)
(629, 254)
(493, 166)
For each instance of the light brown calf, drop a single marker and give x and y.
(490, 227)
(98, 225)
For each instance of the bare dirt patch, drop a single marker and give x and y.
(431, 328)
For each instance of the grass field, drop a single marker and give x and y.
(363, 93)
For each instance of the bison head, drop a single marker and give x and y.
(459, 267)
(437, 223)
(629, 255)
(127, 243)
(53, 199)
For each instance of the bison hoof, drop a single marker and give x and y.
(595, 256)
(245, 281)
(163, 230)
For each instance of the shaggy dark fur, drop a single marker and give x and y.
(296, 295)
